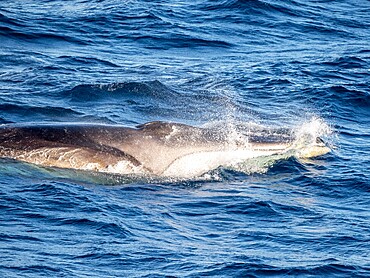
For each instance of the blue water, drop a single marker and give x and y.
(273, 63)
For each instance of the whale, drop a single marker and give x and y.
(155, 148)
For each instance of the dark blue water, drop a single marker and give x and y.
(274, 63)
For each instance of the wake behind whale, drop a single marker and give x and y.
(156, 148)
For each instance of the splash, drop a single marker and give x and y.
(312, 129)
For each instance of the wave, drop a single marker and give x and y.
(278, 21)
(179, 41)
(3, 121)
(356, 97)
(144, 99)
(341, 98)
(347, 62)
(326, 268)
(25, 110)
(150, 90)
(21, 28)
(23, 113)
(22, 32)
(86, 61)
(242, 5)
(134, 26)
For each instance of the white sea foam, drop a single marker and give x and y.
(124, 167)
(311, 129)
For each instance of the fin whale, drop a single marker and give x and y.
(155, 148)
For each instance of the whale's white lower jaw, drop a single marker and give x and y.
(313, 151)
(196, 164)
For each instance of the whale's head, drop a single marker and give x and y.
(314, 149)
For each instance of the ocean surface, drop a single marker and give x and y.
(274, 63)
